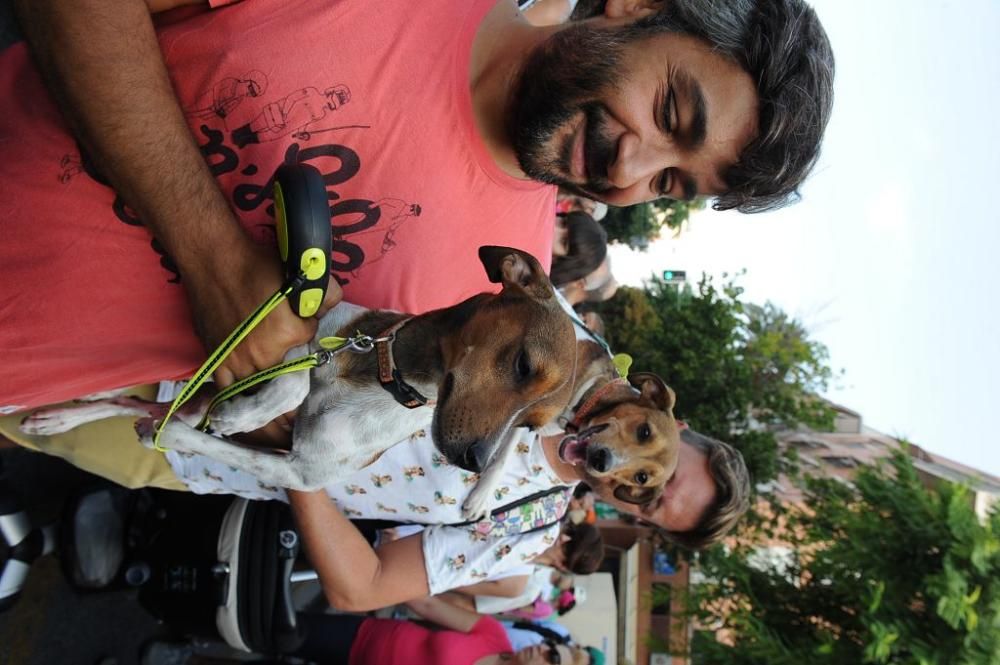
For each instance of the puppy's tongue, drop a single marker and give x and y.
(573, 450)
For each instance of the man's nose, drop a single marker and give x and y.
(638, 161)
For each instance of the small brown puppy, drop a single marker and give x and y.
(622, 432)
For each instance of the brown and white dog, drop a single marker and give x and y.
(492, 363)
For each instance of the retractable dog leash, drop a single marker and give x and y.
(302, 218)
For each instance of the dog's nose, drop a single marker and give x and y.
(470, 460)
(598, 459)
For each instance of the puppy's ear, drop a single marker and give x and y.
(654, 389)
(515, 269)
(637, 495)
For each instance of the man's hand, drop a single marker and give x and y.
(221, 300)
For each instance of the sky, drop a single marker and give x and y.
(891, 258)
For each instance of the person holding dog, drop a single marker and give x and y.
(578, 550)
(458, 113)
(708, 110)
(707, 493)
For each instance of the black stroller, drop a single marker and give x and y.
(206, 566)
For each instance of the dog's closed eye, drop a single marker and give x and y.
(522, 366)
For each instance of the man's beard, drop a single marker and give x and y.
(565, 76)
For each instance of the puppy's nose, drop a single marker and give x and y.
(599, 459)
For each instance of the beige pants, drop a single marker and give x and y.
(108, 448)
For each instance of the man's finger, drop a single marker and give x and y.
(334, 294)
(224, 377)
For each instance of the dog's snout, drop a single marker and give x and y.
(599, 459)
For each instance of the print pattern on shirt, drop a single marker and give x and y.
(363, 231)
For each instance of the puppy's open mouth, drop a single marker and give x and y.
(573, 447)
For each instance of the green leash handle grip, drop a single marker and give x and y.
(302, 218)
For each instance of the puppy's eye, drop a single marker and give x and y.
(643, 433)
(641, 478)
(522, 366)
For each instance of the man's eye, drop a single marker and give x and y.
(670, 112)
(665, 183)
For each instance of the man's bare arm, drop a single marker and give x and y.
(103, 65)
(444, 614)
(354, 577)
(507, 587)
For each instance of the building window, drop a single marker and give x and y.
(842, 462)
(661, 599)
(808, 443)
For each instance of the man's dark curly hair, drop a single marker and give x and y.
(783, 47)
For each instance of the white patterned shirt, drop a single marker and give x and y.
(412, 482)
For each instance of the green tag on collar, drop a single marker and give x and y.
(332, 343)
(622, 363)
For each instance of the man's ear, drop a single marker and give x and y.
(634, 9)
(516, 269)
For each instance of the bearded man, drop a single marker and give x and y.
(124, 217)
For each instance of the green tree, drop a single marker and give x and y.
(789, 369)
(638, 225)
(883, 570)
(729, 368)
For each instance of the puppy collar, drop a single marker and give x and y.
(389, 375)
(583, 412)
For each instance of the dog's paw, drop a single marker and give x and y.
(243, 415)
(46, 422)
(476, 506)
(232, 417)
(145, 429)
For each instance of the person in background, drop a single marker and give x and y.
(581, 507)
(579, 550)
(579, 245)
(467, 638)
(598, 286)
(523, 633)
(459, 637)
(569, 202)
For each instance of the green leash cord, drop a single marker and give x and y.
(220, 354)
(359, 343)
(306, 362)
(331, 346)
(302, 223)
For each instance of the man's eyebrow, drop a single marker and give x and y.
(697, 129)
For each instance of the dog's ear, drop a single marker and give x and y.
(637, 495)
(514, 268)
(654, 389)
